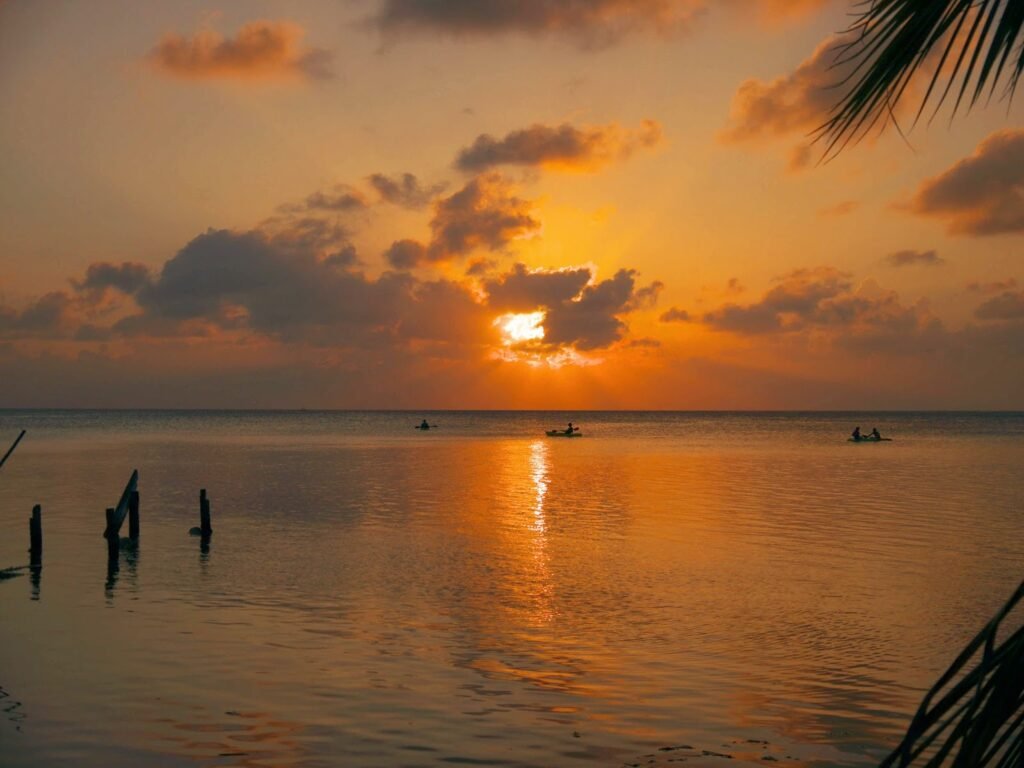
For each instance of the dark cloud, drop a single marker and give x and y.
(226, 278)
(404, 190)
(406, 254)
(675, 315)
(1008, 305)
(591, 22)
(909, 258)
(345, 258)
(307, 233)
(484, 214)
(578, 312)
(560, 147)
(823, 300)
(50, 316)
(340, 199)
(126, 277)
(982, 194)
(262, 50)
(523, 290)
(647, 297)
(592, 321)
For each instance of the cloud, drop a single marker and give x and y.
(406, 254)
(1008, 305)
(127, 277)
(262, 50)
(49, 316)
(341, 198)
(562, 147)
(578, 312)
(647, 297)
(909, 258)
(405, 190)
(228, 278)
(675, 315)
(795, 103)
(525, 290)
(591, 23)
(983, 194)
(823, 300)
(485, 214)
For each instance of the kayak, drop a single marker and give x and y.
(870, 440)
(425, 429)
(560, 433)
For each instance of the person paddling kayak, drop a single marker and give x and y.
(856, 434)
(570, 429)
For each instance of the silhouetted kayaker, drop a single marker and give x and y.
(875, 434)
(570, 429)
(424, 425)
(856, 434)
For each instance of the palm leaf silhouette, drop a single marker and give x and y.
(969, 47)
(973, 717)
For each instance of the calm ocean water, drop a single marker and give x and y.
(745, 584)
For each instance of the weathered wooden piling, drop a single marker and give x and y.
(11, 449)
(113, 535)
(35, 536)
(133, 515)
(205, 529)
(116, 515)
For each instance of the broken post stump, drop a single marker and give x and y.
(112, 534)
(205, 529)
(35, 536)
(116, 515)
(133, 515)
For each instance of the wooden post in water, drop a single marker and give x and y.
(35, 535)
(113, 536)
(133, 515)
(116, 515)
(11, 449)
(205, 529)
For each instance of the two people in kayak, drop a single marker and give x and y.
(875, 434)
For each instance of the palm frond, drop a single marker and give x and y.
(974, 715)
(967, 46)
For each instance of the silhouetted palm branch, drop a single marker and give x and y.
(973, 717)
(969, 46)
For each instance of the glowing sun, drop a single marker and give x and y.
(517, 328)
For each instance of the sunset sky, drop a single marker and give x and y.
(428, 204)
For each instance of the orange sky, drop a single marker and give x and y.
(385, 203)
